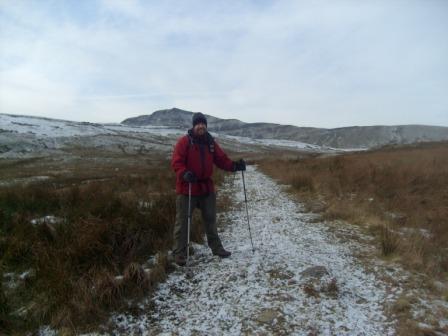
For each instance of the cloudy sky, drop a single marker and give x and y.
(307, 63)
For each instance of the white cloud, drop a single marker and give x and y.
(322, 63)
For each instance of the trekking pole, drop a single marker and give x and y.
(189, 223)
(247, 212)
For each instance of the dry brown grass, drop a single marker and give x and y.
(389, 241)
(116, 212)
(401, 194)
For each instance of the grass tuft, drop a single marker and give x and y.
(389, 241)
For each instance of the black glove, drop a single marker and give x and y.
(239, 165)
(189, 177)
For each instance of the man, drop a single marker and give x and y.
(192, 161)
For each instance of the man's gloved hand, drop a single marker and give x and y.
(239, 165)
(189, 177)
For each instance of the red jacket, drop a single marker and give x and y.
(198, 156)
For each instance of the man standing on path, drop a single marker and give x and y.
(193, 159)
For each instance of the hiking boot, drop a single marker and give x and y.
(221, 252)
(180, 259)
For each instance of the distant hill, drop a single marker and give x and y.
(30, 136)
(345, 137)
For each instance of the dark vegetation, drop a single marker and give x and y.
(94, 256)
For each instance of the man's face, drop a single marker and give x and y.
(200, 129)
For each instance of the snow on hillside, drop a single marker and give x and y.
(25, 136)
(45, 127)
(157, 130)
(288, 144)
(273, 142)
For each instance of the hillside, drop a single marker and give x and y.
(346, 137)
(27, 136)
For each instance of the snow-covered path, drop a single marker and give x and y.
(276, 290)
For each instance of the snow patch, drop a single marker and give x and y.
(288, 144)
(50, 219)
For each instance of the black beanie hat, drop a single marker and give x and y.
(198, 118)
